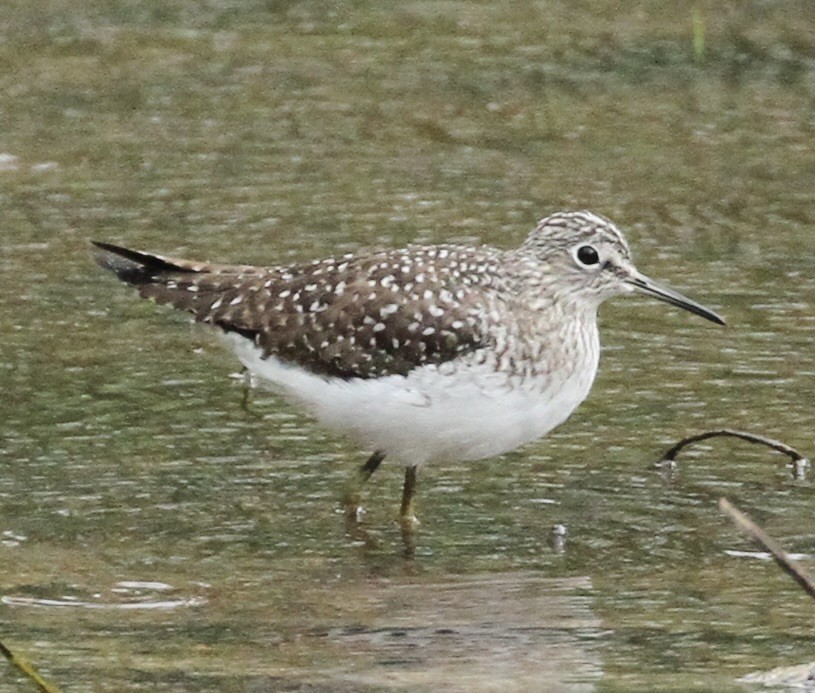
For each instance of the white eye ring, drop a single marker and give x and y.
(586, 255)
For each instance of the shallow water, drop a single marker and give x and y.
(158, 535)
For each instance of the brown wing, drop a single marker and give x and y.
(350, 317)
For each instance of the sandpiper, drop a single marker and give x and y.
(426, 353)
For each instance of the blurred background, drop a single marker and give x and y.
(157, 535)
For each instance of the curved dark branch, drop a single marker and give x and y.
(792, 453)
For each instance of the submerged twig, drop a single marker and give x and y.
(789, 566)
(698, 20)
(798, 460)
(28, 670)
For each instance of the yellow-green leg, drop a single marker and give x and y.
(406, 515)
(353, 489)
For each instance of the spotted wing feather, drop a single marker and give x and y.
(349, 317)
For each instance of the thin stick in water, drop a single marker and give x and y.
(789, 566)
(28, 670)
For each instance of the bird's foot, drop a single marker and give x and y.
(352, 502)
(354, 513)
(409, 523)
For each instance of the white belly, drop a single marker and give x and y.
(435, 413)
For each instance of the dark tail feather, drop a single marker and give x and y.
(134, 266)
(206, 290)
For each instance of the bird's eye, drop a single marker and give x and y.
(587, 255)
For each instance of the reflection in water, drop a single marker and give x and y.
(126, 595)
(800, 677)
(125, 606)
(476, 633)
(765, 556)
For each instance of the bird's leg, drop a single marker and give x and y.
(406, 515)
(365, 471)
(351, 495)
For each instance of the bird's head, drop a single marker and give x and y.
(587, 258)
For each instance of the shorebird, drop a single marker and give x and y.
(426, 353)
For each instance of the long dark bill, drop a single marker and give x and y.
(648, 286)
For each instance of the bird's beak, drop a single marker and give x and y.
(648, 286)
